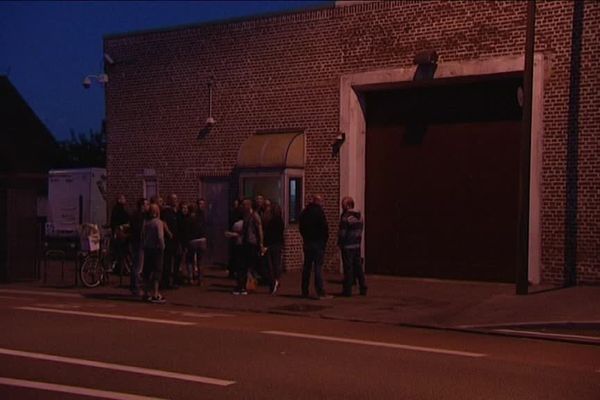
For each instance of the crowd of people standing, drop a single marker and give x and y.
(160, 236)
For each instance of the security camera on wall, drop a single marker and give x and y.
(210, 121)
(87, 82)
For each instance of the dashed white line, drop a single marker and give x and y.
(35, 292)
(53, 387)
(110, 316)
(117, 367)
(548, 334)
(377, 344)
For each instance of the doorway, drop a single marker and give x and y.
(216, 193)
(442, 167)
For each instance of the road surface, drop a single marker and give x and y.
(62, 346)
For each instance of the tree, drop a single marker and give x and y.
(84, 151)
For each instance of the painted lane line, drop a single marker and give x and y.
(110, 316)
(117, 367)
(16, 298)
(200, 315)
(377, 344)
(53, 387)
(35, 292)
(547, 334)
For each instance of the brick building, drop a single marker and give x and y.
(431, 160)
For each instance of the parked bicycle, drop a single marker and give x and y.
(99, 263)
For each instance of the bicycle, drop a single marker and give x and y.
(97, 265)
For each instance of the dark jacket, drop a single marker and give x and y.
(137, 223)
(169, 215)
(350, 232)
(119, 216)
(198, 225)
(313, 224)
(186, 227)
(273, 231)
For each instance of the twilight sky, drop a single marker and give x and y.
(47, 48)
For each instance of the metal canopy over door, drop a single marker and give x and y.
(216, 193)
(442, 180)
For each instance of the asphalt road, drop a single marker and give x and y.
(67, 347)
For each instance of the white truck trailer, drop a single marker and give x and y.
(75, 197)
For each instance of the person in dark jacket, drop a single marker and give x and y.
(315, 233)
(349, 241)
(197, 243)
(252, 245)
(170, 270)
(185, 225)
(273, 231)
(119, 224)
(137, 222)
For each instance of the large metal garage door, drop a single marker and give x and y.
(442, 179)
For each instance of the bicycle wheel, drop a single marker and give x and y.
(91, 272)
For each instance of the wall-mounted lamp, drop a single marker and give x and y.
(426, 62)
(101, 79)
(337, 144)
(210, 121)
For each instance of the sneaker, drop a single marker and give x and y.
(157, 299)
(324, 296)
(275, 287)
(240, 292)
(363, 291)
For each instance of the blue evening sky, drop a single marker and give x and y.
(47, 48)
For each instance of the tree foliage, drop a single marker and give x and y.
(83, 151)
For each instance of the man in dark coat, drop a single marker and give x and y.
(170, 273)
(349, 241)
(315, 232)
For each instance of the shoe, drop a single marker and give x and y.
(157, 299)
(275, 287)
(346, 294)
(324, 296)
(240, 292)
(363, 291)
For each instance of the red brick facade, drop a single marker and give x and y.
(284, 72)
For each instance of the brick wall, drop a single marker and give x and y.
(283, 72)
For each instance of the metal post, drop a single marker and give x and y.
(525, 156)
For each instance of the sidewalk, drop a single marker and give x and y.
(391, 300)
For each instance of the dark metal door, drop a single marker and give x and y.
(216, 193)
(442, 184)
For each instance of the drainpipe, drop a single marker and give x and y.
(522, 281)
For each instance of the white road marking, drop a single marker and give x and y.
(57, 305)
(117, 367)
(200, 315)
(377, 344)
(547, 334)
(53, 387)
(111, 316)
(35, 292)
(16, 298)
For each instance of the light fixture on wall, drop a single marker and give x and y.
(210, 121)
(100, 78)
(337, 144)
(426, 62)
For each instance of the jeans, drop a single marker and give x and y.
(250, 254)
(274, 257)
(153, 265)
(169, 270)
(193, 258)
(351, 261)
(314, 253)
(136, 267)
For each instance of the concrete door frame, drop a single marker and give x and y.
(353, 124)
